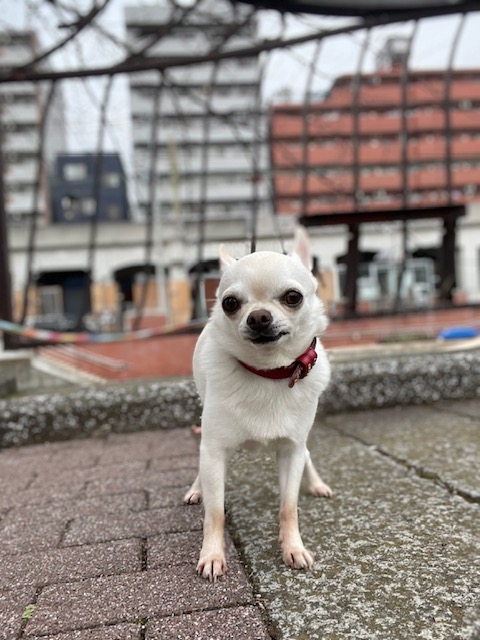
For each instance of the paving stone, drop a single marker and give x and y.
(124, 598)
(18, 538)
(447, 445)
(182, 548)
(32, 455)
(148, 481)
(98, 528)
(114, 632)
(12, 606)
(37, 496)
(141, 437)
(80, 446)
(122, 503)
(169, 496)
(52, 479)
(15, 466)
(174, 548)
(76, 456)
(174, 462)
(159, 444)
(13, 483)
(60, 455)
(237, 623)
(70, 564)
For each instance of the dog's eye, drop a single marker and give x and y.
(230, 304)
(292, 298)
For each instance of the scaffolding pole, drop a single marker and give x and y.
(6, 310)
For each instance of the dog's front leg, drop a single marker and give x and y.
(212, 562)
(291, 463)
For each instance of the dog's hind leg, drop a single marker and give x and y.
(316, 486)
(290, 459)
(194, 494)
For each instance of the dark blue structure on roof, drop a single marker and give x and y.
(75, 188)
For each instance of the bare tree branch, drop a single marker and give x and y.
(79, 25)
(129, 65)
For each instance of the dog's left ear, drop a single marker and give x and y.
(225, 258)
(301, 247)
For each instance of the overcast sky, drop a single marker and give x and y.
(285, 69)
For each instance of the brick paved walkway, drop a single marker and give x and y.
(96, 544)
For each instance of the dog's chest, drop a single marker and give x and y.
(265, 410)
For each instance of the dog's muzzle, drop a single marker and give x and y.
(261, 329)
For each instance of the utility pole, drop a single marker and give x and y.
(6, 311)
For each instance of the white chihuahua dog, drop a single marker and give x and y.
(260, 368)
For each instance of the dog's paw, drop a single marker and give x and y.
(193, 496)
(320, 490)
(212, 566)
(297, 557)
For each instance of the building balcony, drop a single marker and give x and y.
(223, 190)
(227, 73)
(194, 139)
(419, 180)
(194, 103)
(286, 127)
(390, 94)
(216, 163)
(20, 203)
(18, 112)
(341, 154)
(15, 172)
(25, 88)
(21, 142)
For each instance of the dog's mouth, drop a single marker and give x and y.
(267, 338)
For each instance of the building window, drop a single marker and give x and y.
(50, 299)
(331, 115)
(75, 171)
(113, 212)
(89, 206)
(111, 180)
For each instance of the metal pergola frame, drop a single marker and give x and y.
(367, 14)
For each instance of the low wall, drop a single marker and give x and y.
(374, 383)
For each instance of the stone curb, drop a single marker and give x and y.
(97, 411)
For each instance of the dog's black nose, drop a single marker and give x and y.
(259, 320)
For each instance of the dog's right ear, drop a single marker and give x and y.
(226, 260)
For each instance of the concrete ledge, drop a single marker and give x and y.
(372, 383)
(98, 411)
(403, 380)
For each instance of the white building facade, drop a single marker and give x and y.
(199, 134)
(21, 105)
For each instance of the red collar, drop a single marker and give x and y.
(299, 369)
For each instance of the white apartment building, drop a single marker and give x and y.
(20, 116)
(208, 139)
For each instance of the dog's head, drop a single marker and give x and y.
(267, 309)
